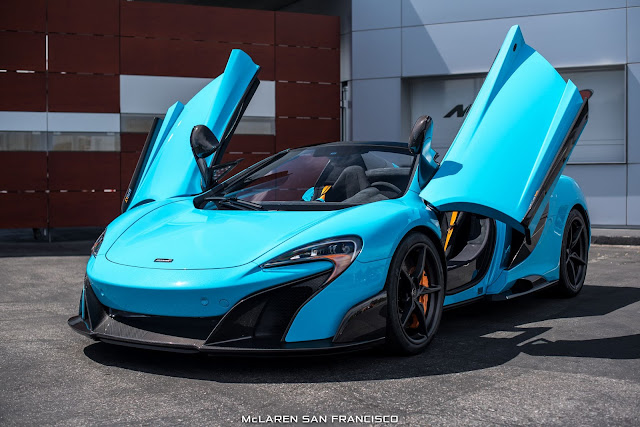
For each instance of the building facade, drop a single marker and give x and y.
(80, 83)
(415, 57)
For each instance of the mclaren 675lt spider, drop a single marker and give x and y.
(341, 245)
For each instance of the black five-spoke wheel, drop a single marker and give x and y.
(415, 291)
(574, 255)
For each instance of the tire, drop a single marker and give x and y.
(415, 295)
(574, 255)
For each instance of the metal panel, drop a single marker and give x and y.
(566, 40)
(633, 35)
(23, 171)
(81, 16)
(83, 53)
(303, 29)
(345, 57)
(256, 126)
(18, 121)
(23, 15)
(23, 91)
(307, 65)
(605, 187)
(292, 133)
(633, 112)
(252, 144)
(376, 53)
(84, 171)
(308, 100)
(146, 19)
(377, 110)
(603, 139)
(155, 94)
(22, 51)
(419, 12)
(633, 196)
(83, 93)
(263, 103)
(83, 209)
(374, 14)
(163, 57)
(23, 210)
(83, 122)
(132, 142)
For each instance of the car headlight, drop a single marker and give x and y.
(341, 251)
(96, 246)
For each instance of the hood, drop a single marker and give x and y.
(206, 239)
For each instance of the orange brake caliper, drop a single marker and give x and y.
(423, 300)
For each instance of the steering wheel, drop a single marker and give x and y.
(388, 186)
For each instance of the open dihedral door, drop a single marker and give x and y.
(166, 167)
(514, 143)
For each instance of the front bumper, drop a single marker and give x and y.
(258, 324)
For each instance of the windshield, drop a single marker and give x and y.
(333, 173)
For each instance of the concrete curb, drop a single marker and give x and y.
(614, 236)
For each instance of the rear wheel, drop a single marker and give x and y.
(574, 255)
(415, 291)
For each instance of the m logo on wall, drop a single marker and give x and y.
(458, 110)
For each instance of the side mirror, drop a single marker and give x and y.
(420, 143)
(419, 133)
(203, 144)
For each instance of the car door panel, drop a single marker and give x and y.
(514, 142)
(166, 167)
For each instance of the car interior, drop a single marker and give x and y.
(468, 240)
(361, 178)
(350, 174)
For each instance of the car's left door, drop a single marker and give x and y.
(514, 143)
(166, 167)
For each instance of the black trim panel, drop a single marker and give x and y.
(523, 286)
(558, 163)
(142, 160)
(364, 321)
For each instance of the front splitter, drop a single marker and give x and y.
(248, 346)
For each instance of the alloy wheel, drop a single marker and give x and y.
(416, 300)
(576, 252)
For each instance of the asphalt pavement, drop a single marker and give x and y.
(535, 360)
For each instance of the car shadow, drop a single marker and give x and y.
(470, 338)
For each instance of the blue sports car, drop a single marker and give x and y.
(341, 245)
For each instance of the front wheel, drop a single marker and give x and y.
(574, 255)
(415, 295)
